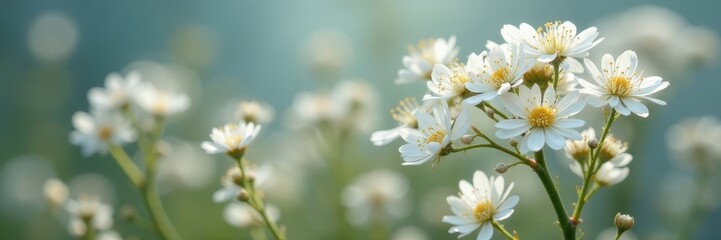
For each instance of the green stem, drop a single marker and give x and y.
(569, 232)
(257, 203)
(497, 146)
(469, 147)
(618, 234)
(500, 228)
(556, 73)
(90, 233)
(256, 233)
(127, 164)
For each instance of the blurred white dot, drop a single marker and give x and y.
(22, 184)
(92, 184)
(52, 36)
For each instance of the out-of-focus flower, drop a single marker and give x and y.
(543, 118)
(669, 44)
(543, 75)
(109, 235)
(160, 102)
(52, 36)
(194, 46)
(243, 216)
(94, 131)
(409, 233)
(435, 132)
(88, 210)
(184, 166)
(21, 181)
(231, 138)
(254, 111)
(479, 204)
(500, 71)
(94, 184)
(55, 192)
(312, 109)
(559, 40)
(356, 102)
(232, 181)
(327, 50)
(620, 86)
(403, 114)
(421, 59)
(696, 140)
(380, 191)
(117, 93)
(612, 156)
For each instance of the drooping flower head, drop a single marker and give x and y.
(94, 131)
(557, 41)
(480, 203)
(620, 86)
(501, 70)
(117, 93)
(434, 133)
(421, 59)
(544, 119)
(231, 139)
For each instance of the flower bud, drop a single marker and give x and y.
(490, 113)
(467, 139)
(243, 196)
(513, 142)
(501, 168)
(623, 222)
(593, 143)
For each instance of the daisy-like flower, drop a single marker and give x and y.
(612, 156)
(159, 102)
(500, 71)
(117, 93)
(254, 111)
(544, 119)
(479, 204)
(578, 149)
(94, 131)
(557, 41)
(696, 141)
(232, 181)
(231, 139)
(619, 86)
(380, 191)
(450, 81)
(89, 209)
(421, 59)
(403, 114)
(433, 135)
(355, 104)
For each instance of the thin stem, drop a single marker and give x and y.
(569, 232)
(257, 233)
(500, 228)
(469, 147)
(255, 202)
(618, 235)
(127, 165)
(556, 73)
(90, 232)
(495, 110)
(501, 148)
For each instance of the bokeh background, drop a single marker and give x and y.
(52, 52)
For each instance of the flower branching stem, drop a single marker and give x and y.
(256, 202)
(501, 229)
(569, 232)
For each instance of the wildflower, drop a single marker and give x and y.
(159, 102)
(433, 135)
(231, 139)
(117, 93)
(557, 41)
(403, 114)
(421, 59)
(501, 71)
(254, 111)
(94, 131)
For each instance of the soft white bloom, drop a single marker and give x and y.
(94, 131)
(160, 102)
(254, 111)
(380, 191)
(613, 159)
(434, 133)
(578, 149)
(55, 192)
(232, 181)
(355, 104)
(619, 86)
(500, 71)
(559, 40)
(696, 140)
(450, 81)
(241, 215)
(421, 59)
(543, 118)
(89, 209)
(312, 109)
(480, 203)
(327, 50)
(231, 138)
(403, 114)
(117, 93)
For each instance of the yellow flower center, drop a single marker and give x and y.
(483, 212)
(542, 117)
(437, 136)
(105, 133)
(619, 86)
(555, 38)
(500, 76)
(403, 113)
(541, 76)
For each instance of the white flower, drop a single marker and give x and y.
(434, 133)
(480, 203)
(578, 149)
(243, 216)
(697, 141)
(559, 40)
(232, 181)
(380, 191)
(94, 131)
(619, 86)
(117, 93)
(231, 138)
(355, 104)
(254, 111)
(55, 192)
(500, 71)
(312, 108)
(421, 59)
(612, 157)
(89, 209)
(403, 114)
(450, 81)
(544, 119)
(160, 102)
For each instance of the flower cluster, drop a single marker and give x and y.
(533, 87)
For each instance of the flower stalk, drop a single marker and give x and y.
(256, 202)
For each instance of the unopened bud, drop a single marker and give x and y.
(490, 113)
(467, 139)
(501, 168)
(513, 142)
(593, 143)
(243, 196)
(127, 213)
(623, 222)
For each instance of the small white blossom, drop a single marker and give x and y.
(421, 59)
(558, 40)
(94, 131)
(501, 70)
(159, 102)
(56, 192)
(89, 209)
(231, 138)
(117, 93)
(434, 133)
(254, 111)
(696, 141)
(403, 114)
